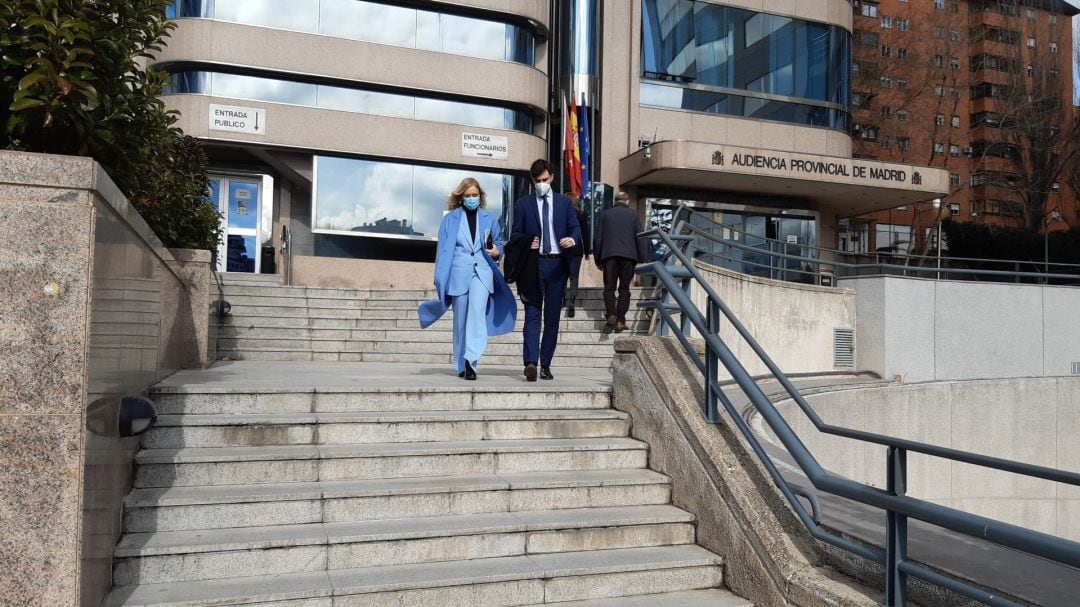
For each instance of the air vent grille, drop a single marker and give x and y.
(843, 348)
(1076, 368)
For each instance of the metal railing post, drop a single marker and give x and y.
(896, 532)
(662, 327)
(712, 364)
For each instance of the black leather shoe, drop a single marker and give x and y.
(570, 311)
(545, 373)
(609, 326)
(530, 372)
(470, 373)
(462, 374)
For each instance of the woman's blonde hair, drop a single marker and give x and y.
(453, 201)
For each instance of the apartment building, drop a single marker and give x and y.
(973, 87)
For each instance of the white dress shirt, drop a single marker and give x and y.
(552, 241)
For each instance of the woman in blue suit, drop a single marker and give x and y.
(468, 279)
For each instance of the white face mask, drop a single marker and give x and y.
(543, 189)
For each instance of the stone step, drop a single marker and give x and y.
(590, 325)
(435, 334)
(296, 463)
(275, 298)
(405, 319)
(297, 503)
(176, 556)
(264, 288)
(440, 360)
(694, 598)
(502, 347)
(325, 398)
(241, 430)
(492, 582)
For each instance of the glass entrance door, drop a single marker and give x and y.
(239, 201)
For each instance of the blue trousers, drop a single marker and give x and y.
(552, 287)
(470, 324)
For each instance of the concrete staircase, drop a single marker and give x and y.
(319, 484)
(270, 321)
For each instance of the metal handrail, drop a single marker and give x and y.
(838, 253)
(675, 281)
(869, 266)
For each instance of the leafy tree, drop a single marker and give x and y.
(73, 81)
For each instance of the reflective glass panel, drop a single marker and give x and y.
(298, 15)
(374, 22)
(380, 23)
(461, 35)
(243, 205)
(350, 100)
(712, 102)
(262, 89)
(365, 102)
(688, 41)
(240, 253)
(375, 198)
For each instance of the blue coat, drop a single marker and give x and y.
(502, 307)
(564, 224)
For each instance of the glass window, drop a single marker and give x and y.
(731, 48)
(675, 97)
(298, 15)
(460, 35)
(380, 23)
(235, 86)
(388, 199)
(351, 100)
(374, 22)
(365, 102)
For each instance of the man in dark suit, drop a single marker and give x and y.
(617, 249)
(549, 218)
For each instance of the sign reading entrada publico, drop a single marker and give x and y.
(476, 145)
(792, 166)
(237, 119)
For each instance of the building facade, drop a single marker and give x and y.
(966, 86)
(344, 123)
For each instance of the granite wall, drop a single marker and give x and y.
(91, 308)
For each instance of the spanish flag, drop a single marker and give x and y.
(571, 149)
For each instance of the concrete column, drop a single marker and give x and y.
(193, 268)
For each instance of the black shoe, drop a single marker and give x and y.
(570, 311)
(470, 373)
(545, 372)
(530, 372)
(462, 374)
(609, 326)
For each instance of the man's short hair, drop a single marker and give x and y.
(539, 166)
(622, 197)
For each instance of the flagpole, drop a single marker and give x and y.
(564, 117)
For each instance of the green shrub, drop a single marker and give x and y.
(73, 82)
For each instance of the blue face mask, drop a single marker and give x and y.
(471, 202)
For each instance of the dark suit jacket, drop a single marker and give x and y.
(617, 232)
(564, 224)
(521, 267)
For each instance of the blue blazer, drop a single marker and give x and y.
(502, 307)
(564, 224)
